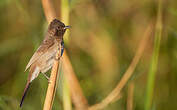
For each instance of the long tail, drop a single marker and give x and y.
(24, 93)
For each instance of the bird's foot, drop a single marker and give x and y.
(58, 58)
(49, 81)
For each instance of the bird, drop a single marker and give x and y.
(43, 58)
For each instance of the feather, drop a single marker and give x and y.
(34, 71)
(46, 44)
(24, 93)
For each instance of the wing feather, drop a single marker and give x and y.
(46, 44)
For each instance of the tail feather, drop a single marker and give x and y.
(24, 93)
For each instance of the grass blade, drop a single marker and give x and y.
(154, 60)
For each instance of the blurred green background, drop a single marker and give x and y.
(103, 40)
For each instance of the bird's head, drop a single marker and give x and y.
(57, 28)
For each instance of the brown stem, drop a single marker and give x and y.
(52, 84)
(116, 92)
(78, 98)
(130, 96)
(49, 10)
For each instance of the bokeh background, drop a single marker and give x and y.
(103, 40)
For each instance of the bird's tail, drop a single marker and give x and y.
(24, 93)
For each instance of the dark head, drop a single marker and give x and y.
(57, 28)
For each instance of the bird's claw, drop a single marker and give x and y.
(49, 81)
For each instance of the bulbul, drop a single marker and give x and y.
(42, 60)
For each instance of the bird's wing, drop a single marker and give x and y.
(46, 44)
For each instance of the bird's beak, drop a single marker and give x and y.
(67, 27)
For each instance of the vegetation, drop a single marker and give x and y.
(123, 54)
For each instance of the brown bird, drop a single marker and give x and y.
(43, 58)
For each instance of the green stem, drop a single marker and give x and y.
(65, 16)
(66, 91)
(66, 96)
(154, 60)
